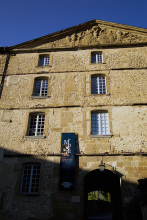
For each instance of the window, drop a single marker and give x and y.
(40, 87)
(43, 60)
(30, 178)
(96, 57)
(100, 123)
(36, 124)
(98, 84)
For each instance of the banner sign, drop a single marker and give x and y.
(67, 161)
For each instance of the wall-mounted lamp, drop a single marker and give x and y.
(102, 166)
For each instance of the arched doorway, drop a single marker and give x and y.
(102, 195)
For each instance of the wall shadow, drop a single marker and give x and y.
(52, 203)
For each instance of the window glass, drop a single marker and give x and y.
(96, 57)
(36, 124)
(43, 60)
(98, 84)
(30, 179)
(40, 87)
(100, 123)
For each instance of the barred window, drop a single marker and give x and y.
(44, 60)
(100, 123)
(40, 87)
(98, 84)
(36, 124)
(96, 57)
(30, 178)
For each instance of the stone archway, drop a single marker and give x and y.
(102, 195)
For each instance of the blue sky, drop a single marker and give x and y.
(23, 20)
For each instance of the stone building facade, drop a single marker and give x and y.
(89, 80)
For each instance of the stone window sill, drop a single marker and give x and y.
(106, 94)
(30, 194)
(40, 97)
(41, 67)
(101, 135)
(34, 137)
(98, 63)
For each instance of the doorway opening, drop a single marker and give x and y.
(102, 196)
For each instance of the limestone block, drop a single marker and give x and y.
(87, 88)
(87, 78)
(7, 116)
(13, 80)
(2, 62)
(67, 118)
(88, 125)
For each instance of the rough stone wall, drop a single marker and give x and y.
(2, 66)
(126, 87)
(52, 203)
(126, 84)
(68, 109)
(79, 61)
(127, 125)
(2, 63)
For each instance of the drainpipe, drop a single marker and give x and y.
(5, 68)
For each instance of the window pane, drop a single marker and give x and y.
(99, 58)
(94, 85)
(36, 124)
(41, 87)
(93, 58)
(44, 87)
(96, 57)
(30, 178)
(98, 84)
(44, 61)
(100, 123)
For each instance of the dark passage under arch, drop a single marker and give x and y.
(102, 195)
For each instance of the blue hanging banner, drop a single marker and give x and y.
(67, 161)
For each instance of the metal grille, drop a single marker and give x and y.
(44, 61)
(96, 58)
(100, 123)
(30, 179)
(40, 88)
(36, 125)
(98, 85)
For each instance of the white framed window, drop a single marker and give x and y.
(99, 123)
(96, 57)
(40, 87)
(36, 124)
(98, 84)
(30, 178)
(43, 60)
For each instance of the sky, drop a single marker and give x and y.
(24, 20)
